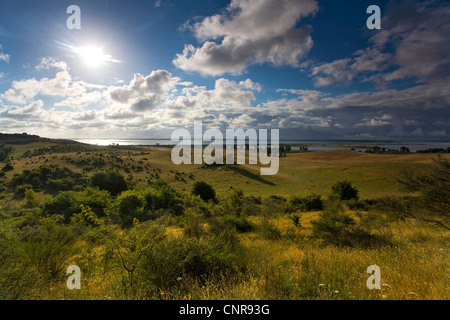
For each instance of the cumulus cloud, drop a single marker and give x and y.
(412, 44)
(144, 92)
(48, 63)
(81, 100)
(156, 103)
(21, 113)
(249, 32)
(23, 91)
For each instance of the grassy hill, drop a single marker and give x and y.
(373, 174)
(246, 247)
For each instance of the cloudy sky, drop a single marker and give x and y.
(311, 68)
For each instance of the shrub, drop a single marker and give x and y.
(130, 205)
(162, 196)
(50, 178)
(67, 203)
(194, 229)
(4, 151)
(235, 201)
(345, 190)
(335, 227)
(31, 200)
(312, 202)
(7, 167)
(110, 181)
(229, 222)
(204, 190)
(273, 205)
(173, 260)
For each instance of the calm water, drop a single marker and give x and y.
(312, 145)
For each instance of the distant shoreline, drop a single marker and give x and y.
(318, 145)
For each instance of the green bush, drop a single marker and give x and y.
(111, 181)
(335, 227)
(236, 201)
(50, 178)
(345, 190)
(4, 151)
(130, 205)
(273, 205)
(161, 197)
(67, 203)
(31, 200)
(174, 260)
(229, 222)
(312, 202)
(7, 167)
(204, 190)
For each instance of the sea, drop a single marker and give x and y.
(312, 145)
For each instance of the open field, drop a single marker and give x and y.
(373, 174)
(217, 249)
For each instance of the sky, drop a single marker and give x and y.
(310, 68)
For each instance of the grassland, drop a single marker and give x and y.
(373, 174)
(414, 264)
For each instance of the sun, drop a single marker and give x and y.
(93, 56)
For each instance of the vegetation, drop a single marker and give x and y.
(4, 151)
(223, 233)
(110, 181)
(345, 190)
(203, 190)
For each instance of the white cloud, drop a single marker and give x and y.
(24, 91)
(144, 93)
(27, 112)
(413, 42)
(249, 32)
(48, 63)
(81, 100)
(4, 56)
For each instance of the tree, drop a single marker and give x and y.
(434, 189)
(345, 190)
(203, 190)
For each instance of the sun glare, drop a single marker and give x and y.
(93, 56)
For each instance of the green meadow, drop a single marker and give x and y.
(140, 227)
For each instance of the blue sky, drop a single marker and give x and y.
(311, 68)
